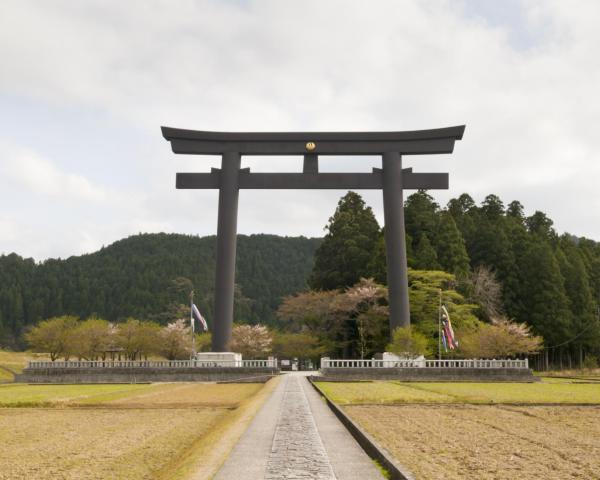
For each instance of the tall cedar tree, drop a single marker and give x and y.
(489, 244)
(421, 217)
(451, 251)
(425, 255)
(579, 293)
(347, 249)
(463, 211)
(542, 294)
(378, 265)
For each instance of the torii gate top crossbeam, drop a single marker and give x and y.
(416, 142)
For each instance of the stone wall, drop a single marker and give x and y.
(145, 375)
(429, 374)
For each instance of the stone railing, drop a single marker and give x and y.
(270, 363)
(329, 363)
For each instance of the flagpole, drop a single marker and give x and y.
(440, 326)
(192, 324)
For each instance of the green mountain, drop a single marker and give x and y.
(149, 276)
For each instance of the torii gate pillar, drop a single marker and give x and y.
(395, 240)
(226, 251)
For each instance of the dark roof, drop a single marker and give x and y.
(435, 133)
(416, 142)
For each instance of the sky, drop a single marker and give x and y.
(85, 87)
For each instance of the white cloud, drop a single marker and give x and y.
(38, 175)
(8, 230)
(531, 113)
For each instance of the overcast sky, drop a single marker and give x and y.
(86, 85)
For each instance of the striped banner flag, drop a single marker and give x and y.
(198, 316)
(447, 329)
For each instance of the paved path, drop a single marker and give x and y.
(296, 436)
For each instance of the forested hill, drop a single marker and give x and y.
(147, 276)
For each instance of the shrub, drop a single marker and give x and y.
(406, 341)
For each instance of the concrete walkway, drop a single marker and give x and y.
(296, 436)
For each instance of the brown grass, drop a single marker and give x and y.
(191, 395)
(447, 392)
(203, 458)
(165, 431)
(488, 442)
(96, 444)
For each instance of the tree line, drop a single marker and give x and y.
(150, 276)
(96, 339)
(353, 322)
(492, 263)
(69, 338)
(508, 266)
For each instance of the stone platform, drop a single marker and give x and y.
(429, 374)
(145, 374)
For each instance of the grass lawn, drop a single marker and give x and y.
(475, 393)
(157, 431)
(23, 395)
(16, 362)
(127, 395)
(5, 376)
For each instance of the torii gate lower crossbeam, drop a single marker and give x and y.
(391, 178)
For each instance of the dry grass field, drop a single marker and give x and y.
(546, 430)
(477, 442)
(158, 431)
(551, 391)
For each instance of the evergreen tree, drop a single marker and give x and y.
(490, 244)
(347, 249)
(543, 299)
(515, 210)
(519, 243)
(451, 251)
(541, 225)
(461, 206)
(464, 211)
(378, 265)
(581, 303)
(492, 207)
(425, 255)
(421, 216)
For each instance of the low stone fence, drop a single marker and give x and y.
(258, 371)
(270, 363)
(427, 370)
(416, 363)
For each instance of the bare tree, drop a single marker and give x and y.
(485, 290)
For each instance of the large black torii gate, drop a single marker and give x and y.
(391, 178)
